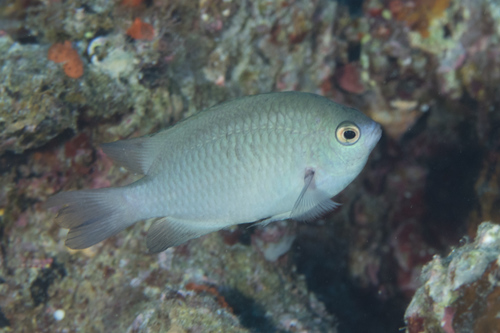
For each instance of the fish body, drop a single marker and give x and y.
(262, 158)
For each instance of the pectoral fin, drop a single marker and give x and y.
(312, 202)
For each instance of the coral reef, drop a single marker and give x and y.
(460, 292)
(426, 70)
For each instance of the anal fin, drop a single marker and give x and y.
(167, 232)
(266, 221)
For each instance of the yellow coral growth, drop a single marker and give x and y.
(418, 14)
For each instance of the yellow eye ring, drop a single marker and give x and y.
(348, 133)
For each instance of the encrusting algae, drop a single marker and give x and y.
(64, 53)
(141, 30)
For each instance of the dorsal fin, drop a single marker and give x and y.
(137, 155)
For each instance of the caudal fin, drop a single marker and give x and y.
(92, 215)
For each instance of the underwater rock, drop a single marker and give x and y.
(460, 292)
(274, 240)
(31, 110)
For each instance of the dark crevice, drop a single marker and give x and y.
(354, 51)
(355, 7)
(450, 195)
(56, 141)
(40, 287)
(4, 240)
(10, 159)
(25, 37)
(4, 322)
(358, 309)
(251, 314)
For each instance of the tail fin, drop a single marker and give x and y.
(92, 215)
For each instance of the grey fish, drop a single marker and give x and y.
(263, 158)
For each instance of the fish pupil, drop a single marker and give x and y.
(349, 135)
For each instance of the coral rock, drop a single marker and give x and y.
(460, 293)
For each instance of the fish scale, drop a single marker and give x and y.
(258, 158)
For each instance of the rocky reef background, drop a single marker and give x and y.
(74, 74)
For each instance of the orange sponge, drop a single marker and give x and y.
(141, 30)
(64, 53)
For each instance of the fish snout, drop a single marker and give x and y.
(373, 134)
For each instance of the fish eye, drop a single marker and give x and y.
(348, 133)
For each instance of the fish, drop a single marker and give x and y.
(259, 158)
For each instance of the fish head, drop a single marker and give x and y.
(351, 137)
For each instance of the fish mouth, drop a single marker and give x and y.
(373, 136)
